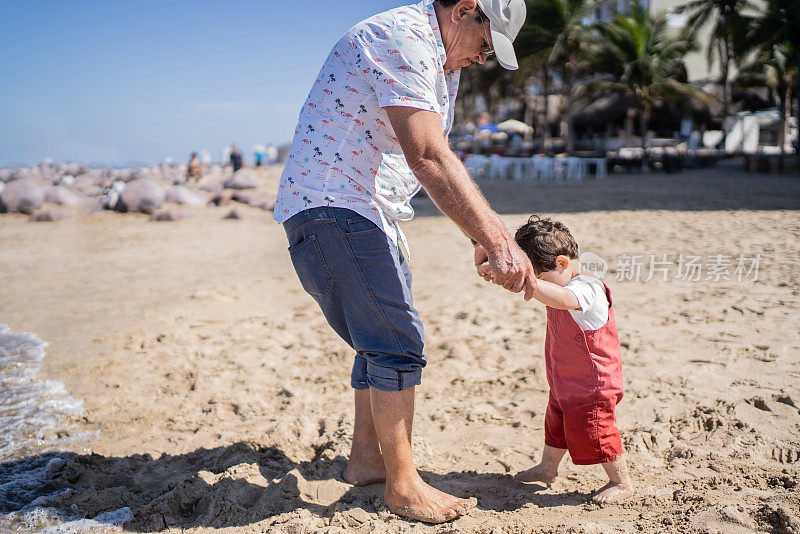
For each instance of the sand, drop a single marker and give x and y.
(221, 396)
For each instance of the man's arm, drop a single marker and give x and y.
(449, 185)
(547, 293)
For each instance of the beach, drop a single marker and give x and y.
(220, 398)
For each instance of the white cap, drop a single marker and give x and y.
(506, 17)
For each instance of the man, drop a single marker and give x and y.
(236, 158)
(372, 131)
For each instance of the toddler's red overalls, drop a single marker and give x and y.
(584, 371)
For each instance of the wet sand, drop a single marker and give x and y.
(221, 396)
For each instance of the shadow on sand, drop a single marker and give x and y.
(237, 485)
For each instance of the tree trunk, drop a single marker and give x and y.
(546, 121)
(530, 112)
(786, 101)
(570, 121)
(797, 109)
(629, 117)
(643, 125)
(726, 82)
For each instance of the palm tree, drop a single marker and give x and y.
(645, 63)
(775, 37)
(569, 55)
(533, 45)
(774, 67)
(780, 26)
(728, 24)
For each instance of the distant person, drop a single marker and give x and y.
(258, 153)
(195, 169)
(271, 155)
(236, 158)
(582, 361)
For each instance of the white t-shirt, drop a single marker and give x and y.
(591, 296)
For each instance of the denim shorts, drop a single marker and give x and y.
(362, 284)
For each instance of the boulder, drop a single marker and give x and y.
(222, 198)
(170, 214)
(49, 215)
(22, 196)
(256, 199)
(242, 179)
(181, 194)
(141, 195)
(233, 214)
(88, 184)
(64, 196)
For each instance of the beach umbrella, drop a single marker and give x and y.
(515, 126)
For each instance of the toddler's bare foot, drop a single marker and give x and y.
(364, 470)
(417, 500)
(537, 474)
(612, 492)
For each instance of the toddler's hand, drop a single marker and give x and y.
(484, 271)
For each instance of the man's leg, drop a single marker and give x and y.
(406, 493)
(365, 465)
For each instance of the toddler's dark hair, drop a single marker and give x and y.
(544, 240)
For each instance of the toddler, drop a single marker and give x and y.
(582, 359)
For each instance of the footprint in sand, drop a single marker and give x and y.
(786, 455)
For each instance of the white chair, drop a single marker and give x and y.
(600, 167)
(501, 167)
(575, 168)
(543, 168)
(476, 165)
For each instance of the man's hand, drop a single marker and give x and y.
(507, 266)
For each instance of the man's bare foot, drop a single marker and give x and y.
(365, 470)
(417, 500)
(536, 474)
(612, 492)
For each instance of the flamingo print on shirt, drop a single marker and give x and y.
(345, 152)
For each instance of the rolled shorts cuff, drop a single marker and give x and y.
(368, 375)
(603, 459)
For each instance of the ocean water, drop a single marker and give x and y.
(35, 440)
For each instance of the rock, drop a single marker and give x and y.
(170, 215)
(242, 179)
(256, 199)
(141, 195)
(64, 196)
(55, 467)
(223, 198)
(233, 214)
(210, 187)
(49, 215)
(21, 196)
(88, 184)
(181, 194)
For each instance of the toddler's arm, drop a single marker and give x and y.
(555, 296)
(547, 293)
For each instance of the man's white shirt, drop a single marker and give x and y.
(345, 153)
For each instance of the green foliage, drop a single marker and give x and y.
(644, 61)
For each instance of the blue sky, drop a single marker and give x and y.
(121, 81)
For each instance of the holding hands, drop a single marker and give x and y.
(508, 266)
